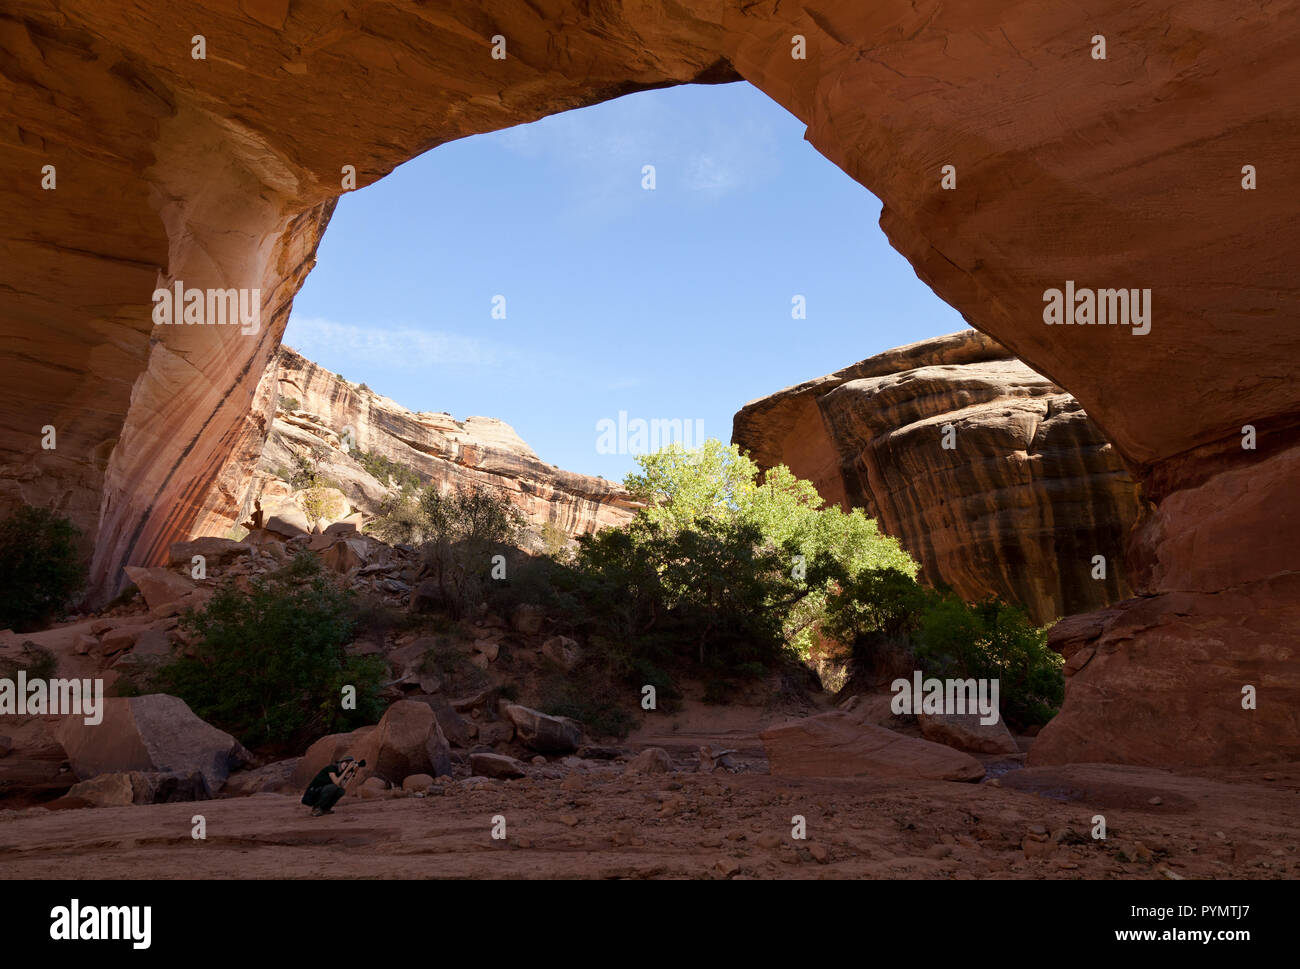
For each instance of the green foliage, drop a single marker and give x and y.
(400, 520)
(463, 529)
(322, 503)
(40, 567)
(600, 710)
(555, 540)
(270, 664)
(884, 601)
(388, 471)
(452, 665)
(288, 404)
(993, 639)
(38, 661)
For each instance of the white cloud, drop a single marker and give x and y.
(599, 151)
(398, 348)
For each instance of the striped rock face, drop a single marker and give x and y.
(1127, 171)
(990, 475)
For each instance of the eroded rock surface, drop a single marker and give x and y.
(1017, 507)
(1119, 172)
(341, 422)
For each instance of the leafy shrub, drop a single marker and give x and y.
(270, 664)
(322, 503)
(993, 639)
(288, 404)
(40, 567)
(875, 601)
(463, 529)
(388, 471)
(400, 520)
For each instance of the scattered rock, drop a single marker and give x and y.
(562, 651)
(152, 733)
(277, 777)
(542, 733)
(159, 586)
(652, 760)
(965, 732)
(497, 766)
(835, 745)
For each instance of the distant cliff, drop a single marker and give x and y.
(338, 425)
(1027, 495)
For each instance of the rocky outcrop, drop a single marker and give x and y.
(839, 744)
(335, 424)
(152, 734)
(1122, 170)
(988, 473)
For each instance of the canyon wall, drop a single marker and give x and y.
(340, 421)
(1122, 170)
(1018, 504)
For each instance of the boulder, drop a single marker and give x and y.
(154, 733)
(159, 586)
(345, 554)
(417, 782)
(105, 790)
(372, 787)
(562, 651)
(875, 708)
(496, 765)
(407, 741)
(835, 745)
(289, 522)
(542, 733)
(965, 732)
(652, 760)
(328, 750)
(118, 640)
(151, 650)
(139, 787)
(276, 777)
(458, 730)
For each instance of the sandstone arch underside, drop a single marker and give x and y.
(1123, 172)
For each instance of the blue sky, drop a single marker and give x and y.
(666, 303)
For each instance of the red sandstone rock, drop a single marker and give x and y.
(1122, 172)
(1017, 508)
(836, 745)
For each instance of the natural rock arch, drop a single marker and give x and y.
(1119, 172)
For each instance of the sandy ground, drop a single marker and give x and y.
(603, 824)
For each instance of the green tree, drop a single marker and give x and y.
(270, 663)
(40, 568)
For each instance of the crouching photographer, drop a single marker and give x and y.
(329, 785)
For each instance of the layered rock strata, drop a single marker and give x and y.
(1160, 165)
(990, 475)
